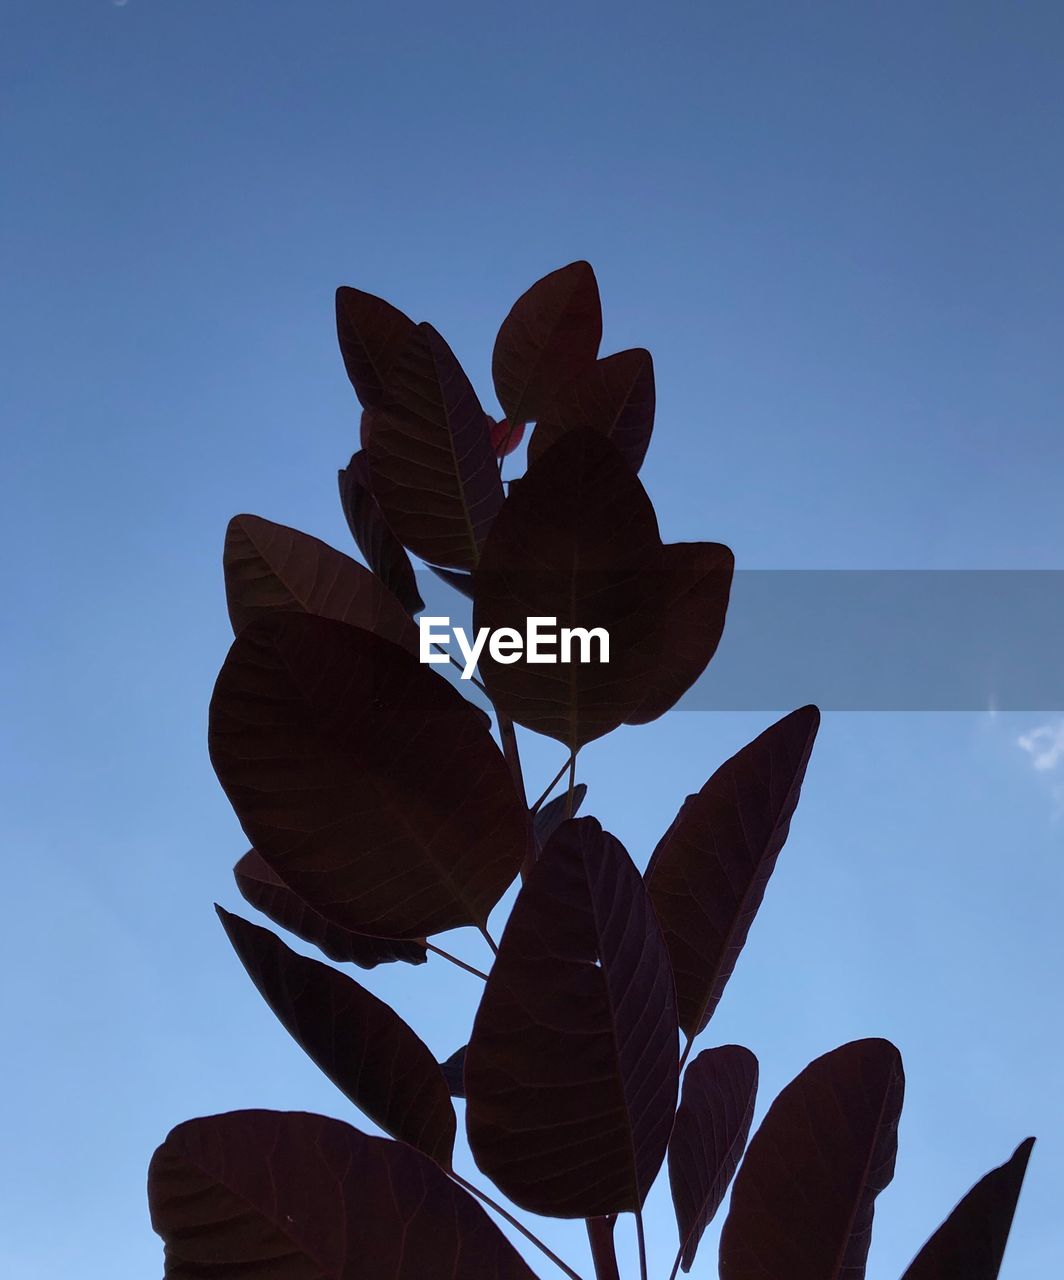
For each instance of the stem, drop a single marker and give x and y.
(572, 786)
(603, 1254)
(553, 783)
(455, 663)
(454, 960)
(488, 939)
(509, 749)
(686, 1050)
(642, 1244)
(519, 1226)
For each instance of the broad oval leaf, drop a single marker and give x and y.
(548, 819)
(708, 874)
(285, 1195)
(260, 885)
(372, 1056)
(364, 779)
(270, 567)
(384, 553)
(804, 1197)
(970, 1244)
(371, 333)
(550, 336)
(577, 542)
(615, 395)
(433, 469)
(697, 584)
(708, 1137)
(571, 1069)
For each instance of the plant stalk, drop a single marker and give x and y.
(603, 1254)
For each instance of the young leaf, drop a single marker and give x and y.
(615, 396)
(292, 1196)
(554, 813)
(970, 1244)
(260, 885)
(804, 1197)
(371, 333)
(358, 1041)
(269, 567)
(577, 542)
(708, 874)
(708, 1137)
(364, 779)
(550, 336)
(384, 552)
(698, 577)
(432, 466)
(571, 1069)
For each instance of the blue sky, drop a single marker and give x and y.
(837, 227)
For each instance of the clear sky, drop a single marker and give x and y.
(837, 226)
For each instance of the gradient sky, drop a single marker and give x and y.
(838, 227)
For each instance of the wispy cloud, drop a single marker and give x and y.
(1045, 746)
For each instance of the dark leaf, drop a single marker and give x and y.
(708, 874)
(383, 551)
(548, 819)
(432, 466)
(263, 888)
(614, 396)
(550, 337)
(462, 582)
(371, 333)
(364, 779)
(454, 1072)
(571, 1070)
(578, 542)
(284, 1195)
(698, 577)
(971, 1242)
(708, 1137)
(804, 1197)
(271, 568)
(358, 1041)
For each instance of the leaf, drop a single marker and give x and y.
(571, 1070)
(614, 396)
(364, 779)
(708, 874)
(454, 1072)
(708, 1137)
(260, 885)
(504, 437)
(383, 551)
(432, 466)
(371, 333)
(284, 1195)
(269, 567)
(548, 819)
(970, 1244)
(804, 1197)
(461, 582)
(372, 1056)
(550, 336)
(698, 577)
(577, 542)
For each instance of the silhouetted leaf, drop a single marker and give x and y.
(462, 582)
(550, 336)
(271, 568)
(804, 1197)
(707, 875)
(260, 885)
(284, 1195)
(371, 333)
(698, 577)
(548, 819)
(970, 1244)
(454, 1072)
(708, 1137)
(571, 1070)
(577, 541)
(433, 469)
(358, 1041)
(364, 779)
(384, 552)
(614, 396)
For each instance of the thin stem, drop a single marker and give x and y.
(572, 786)
(454, 960)
(603, 1254)
(642, 1244)
(519, 1226)
(686, 1051)
(488, 939)
(508, 734)
(553, 783)
(455, 663)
